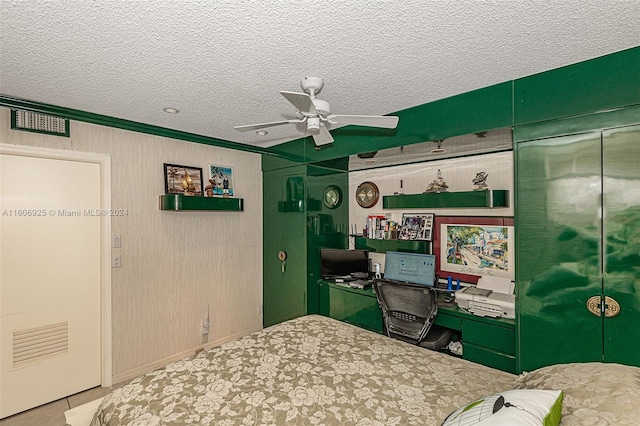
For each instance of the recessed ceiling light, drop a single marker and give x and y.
(262, 132)
(171, 110)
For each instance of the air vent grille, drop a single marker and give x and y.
(39, 123)
(37, 344)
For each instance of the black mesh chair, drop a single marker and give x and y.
(408, 312)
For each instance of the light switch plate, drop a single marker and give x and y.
(117, 241)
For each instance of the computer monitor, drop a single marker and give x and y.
(342, 262)
(414, 268)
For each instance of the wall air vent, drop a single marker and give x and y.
(34, 345)
(39, 123)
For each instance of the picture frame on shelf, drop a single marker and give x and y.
(475, 249)
(220, 181)
(416, 226)
(184, 180)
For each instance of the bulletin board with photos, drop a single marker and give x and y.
(416, 226)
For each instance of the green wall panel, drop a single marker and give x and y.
(606, 82)
(272, 162)
(584, 123)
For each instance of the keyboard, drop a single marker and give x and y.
(360, 283)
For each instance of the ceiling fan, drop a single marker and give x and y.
(317, 114)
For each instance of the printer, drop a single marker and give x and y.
(491, 297)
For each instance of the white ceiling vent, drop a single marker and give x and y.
(34, 345)
(39, 123)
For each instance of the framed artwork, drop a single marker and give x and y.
(477, 249)
(416, 226)
(184, 180)
(220, 181)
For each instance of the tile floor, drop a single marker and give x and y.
(52, 414)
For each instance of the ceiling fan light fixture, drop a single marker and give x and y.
(313, 124)
(170, 110)
(317, 114)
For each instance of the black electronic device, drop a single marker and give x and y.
(341, 263)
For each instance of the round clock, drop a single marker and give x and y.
(332, 196)
(367, 194)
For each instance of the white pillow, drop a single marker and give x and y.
(520, 407)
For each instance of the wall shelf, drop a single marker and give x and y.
(177, 202)
(466, 199)
(381, 246)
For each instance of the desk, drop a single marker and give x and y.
(488, 341)
(357, 307)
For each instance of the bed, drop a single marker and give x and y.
(315, 370)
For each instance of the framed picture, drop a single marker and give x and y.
(475, 249)
(220, 181)
(184, 180)
(416, 226)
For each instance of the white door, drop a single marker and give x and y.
(50, 270)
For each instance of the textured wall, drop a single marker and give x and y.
(174, 264)
(457, 173)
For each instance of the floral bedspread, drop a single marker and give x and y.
(308, 371)
(595, 393)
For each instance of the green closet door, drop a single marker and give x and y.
(558, 190)
(621, 185)
(284, 226)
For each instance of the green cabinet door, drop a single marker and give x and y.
(284, 229)
(621, 200)
(578, 216)
(558, 232)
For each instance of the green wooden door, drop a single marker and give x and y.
(558, 197)
(621, 200)
(578, 216)
(284, 229)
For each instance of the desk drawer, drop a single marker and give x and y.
(488, 357)
(500, 339)
(355, 308)
(448, 321)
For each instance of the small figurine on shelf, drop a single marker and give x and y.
(209, 188)
(225, 186)
(480, 182)
(438, 185)
(401, 189)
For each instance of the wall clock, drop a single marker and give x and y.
(367, 194)
(332, 196)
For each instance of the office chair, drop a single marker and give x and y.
(408, 312)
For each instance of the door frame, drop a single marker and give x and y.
(104, 160)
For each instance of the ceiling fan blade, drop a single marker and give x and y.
(323, 137)
(301, 101)
(263, 125)
(387, 122)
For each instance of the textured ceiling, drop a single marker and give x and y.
(223, 62)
